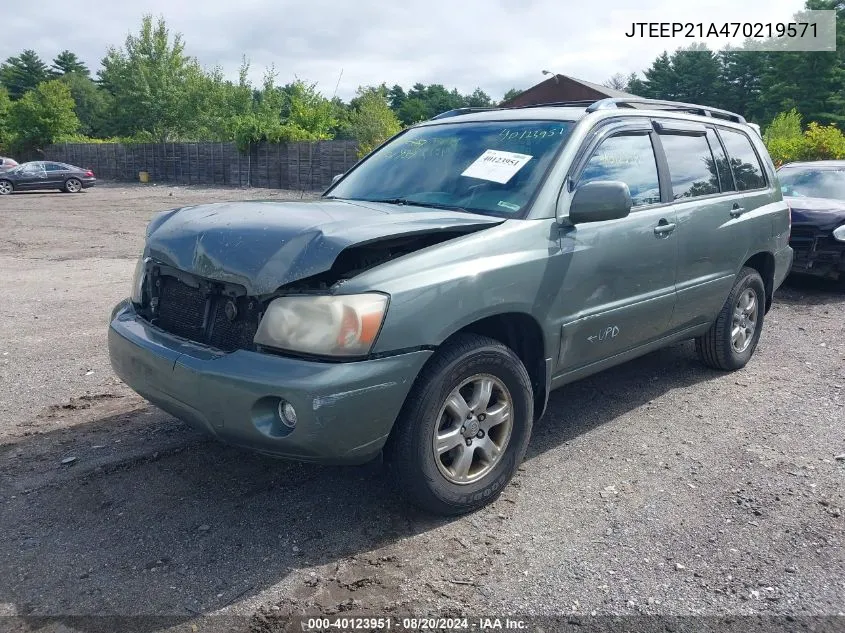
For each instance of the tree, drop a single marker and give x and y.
(510, 94)
(5, 120)
(617, 81)
(66, 63)
(147, 79)
(809, 81)
(742, 72)
(305, 110)
(44, 115)
(371, 121)
(91, 104)
(22, 73)
(478, 99)
(696, 75)
(397, 97)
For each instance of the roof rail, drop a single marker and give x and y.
(556, 104)
(657, 104)
(459, 111)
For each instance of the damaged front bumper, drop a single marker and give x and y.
(817, 253)
(344, 410)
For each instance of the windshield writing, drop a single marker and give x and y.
(491, 167)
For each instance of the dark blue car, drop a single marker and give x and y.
(815, 192)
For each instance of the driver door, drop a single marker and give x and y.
(618, 289)
(32, 176)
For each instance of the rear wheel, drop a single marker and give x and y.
(6, 187)
(731, 340)
(73, 185)
(464, 428)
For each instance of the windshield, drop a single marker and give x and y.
(813, 183)
(491, 167)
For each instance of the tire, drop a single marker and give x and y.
(6, 187)
(73, 185)
(730, 342)
(441, 482)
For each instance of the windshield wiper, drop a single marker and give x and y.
(406, 201)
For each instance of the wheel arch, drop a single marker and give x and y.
(764, 263)
(521, 333)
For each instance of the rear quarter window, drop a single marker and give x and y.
(745, 165)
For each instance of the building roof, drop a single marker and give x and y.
(564, 88)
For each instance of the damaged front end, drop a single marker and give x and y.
(226, 315)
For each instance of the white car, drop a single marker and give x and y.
(7, 163)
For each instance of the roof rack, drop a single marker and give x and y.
(593, 105)
(556, 104)
(657, 104)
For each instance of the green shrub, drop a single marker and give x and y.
(787, 143)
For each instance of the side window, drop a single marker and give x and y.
(629, 159)
(53, 167)
(723, 168)
(747, 171)
(691, 166)
(33, 168)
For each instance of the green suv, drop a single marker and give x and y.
(425, 306)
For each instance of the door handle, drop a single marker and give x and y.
(664, 228)
(737, 210)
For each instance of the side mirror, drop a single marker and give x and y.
(600, 200)
(336, 178)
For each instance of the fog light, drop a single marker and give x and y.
(287, 414)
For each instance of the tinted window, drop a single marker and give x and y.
(748, 173)
(54, 167)
(629, 159)
(723, 168)
(691, 166)
(33, 168)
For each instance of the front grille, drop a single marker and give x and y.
(199, 314)
(181, 309)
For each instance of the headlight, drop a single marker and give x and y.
(137, 295)
(343, 325)
(839, 233)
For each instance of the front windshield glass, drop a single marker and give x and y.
(490, 167)
(813, 183)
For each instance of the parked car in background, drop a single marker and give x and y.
(7, 163)
(428, 303)
(46, 175)
(815, 192)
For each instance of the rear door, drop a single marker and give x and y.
(714, 192)
(55, 175)
(618, 292)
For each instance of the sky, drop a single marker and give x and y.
(492, 44)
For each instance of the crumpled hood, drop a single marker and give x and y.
(263, 245)
(823, 213)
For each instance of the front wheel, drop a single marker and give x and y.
(464, 428)
(73, 185)
(730, 342)
(6, 187)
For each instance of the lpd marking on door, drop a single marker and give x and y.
(611, 331)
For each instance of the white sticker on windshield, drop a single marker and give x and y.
(496, 165)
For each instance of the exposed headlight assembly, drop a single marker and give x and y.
(839, 233)
(341, 325)
(137, 296)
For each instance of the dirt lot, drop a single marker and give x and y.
(659, 487)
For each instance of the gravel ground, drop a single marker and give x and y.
(657, 487)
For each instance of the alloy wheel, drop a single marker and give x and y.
(473, 429)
